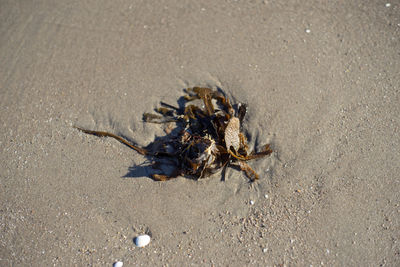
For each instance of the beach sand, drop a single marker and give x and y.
(321, 79)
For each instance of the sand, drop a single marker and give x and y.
(321, 79)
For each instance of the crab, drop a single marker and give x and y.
(204, 140)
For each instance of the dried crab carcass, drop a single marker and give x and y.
(204, 140)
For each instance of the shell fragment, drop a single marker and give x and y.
(142, 240)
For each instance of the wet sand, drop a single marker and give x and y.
(322, 83)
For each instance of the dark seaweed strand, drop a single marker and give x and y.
(122, 140)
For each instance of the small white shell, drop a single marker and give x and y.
(142, 240)
(118, 264)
